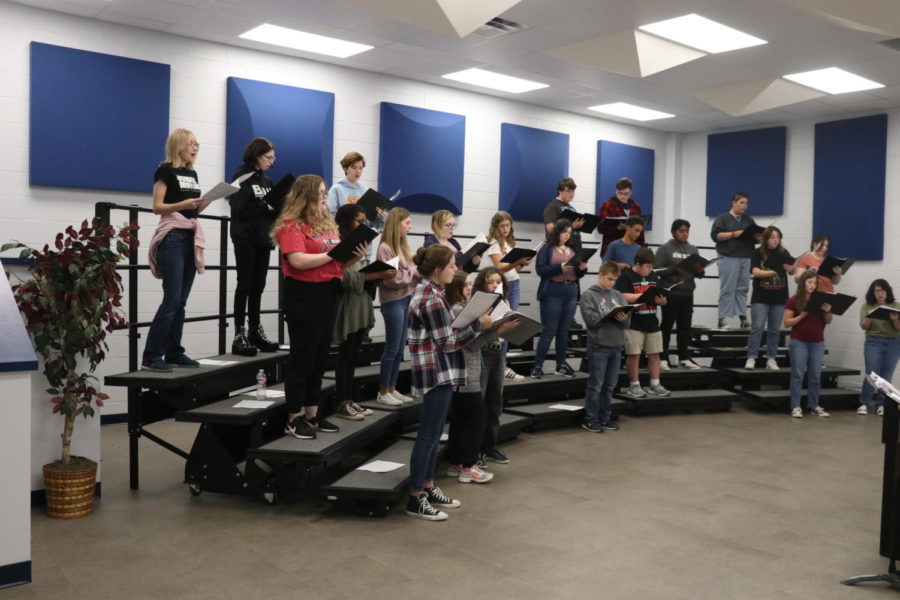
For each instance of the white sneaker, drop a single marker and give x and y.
(635, 391)
(862, 410)
(772, 364)
(664, 365)
(750, 364)
(797, 413)
(879, 411)
(512, 375)
(689, 364)
(402, 397)
(474, 475)
(658, 390)
(821, 412)
(388, 399)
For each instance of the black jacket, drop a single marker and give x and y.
(251, 219)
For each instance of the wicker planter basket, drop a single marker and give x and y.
(70, 491)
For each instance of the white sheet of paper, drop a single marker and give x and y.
(396, 194)
(286, 346)
(479, 304)
(380, 466)
(220, 190)
(445, 437)
(216, 363)
(394, 262)
(501, 309)
(254, 404)
(237, 182)
(480, 238)
(569, 407)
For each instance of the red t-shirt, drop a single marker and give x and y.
(298, 238)
(811, 329)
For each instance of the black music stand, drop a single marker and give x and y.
(890, 436)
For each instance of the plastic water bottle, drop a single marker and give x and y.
(261, 385)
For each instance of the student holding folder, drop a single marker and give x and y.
(807, 345)
(812, 260)
(615, 211)
(770, 266)
(443, 224)
(734, 250)
(882, 347)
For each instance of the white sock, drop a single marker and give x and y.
(635, 384)
(654, 382)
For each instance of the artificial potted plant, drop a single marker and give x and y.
(69, 304)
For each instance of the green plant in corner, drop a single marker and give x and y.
(69, 305)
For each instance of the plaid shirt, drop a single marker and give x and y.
(434, 346)
(610, 229)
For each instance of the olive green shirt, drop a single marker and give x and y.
(879, 327)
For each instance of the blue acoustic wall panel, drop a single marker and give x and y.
(615, 161)
(848, 185)
(422, 153)
(746, 161)
(300, 122)
(532, 161)
(96, 121)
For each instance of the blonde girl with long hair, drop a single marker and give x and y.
(394, 294)
(305, 234)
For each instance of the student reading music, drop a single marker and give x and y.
(882, 347)
(558, 295)
(807, 345)
(438, 366)
(565, 193)
(812, 260)
(679, 310)
(503, 239)
(349, 189)
(613, 213)
(443, 223)
(394, 294)
(734, 259)
(355, 316)
(305, 233)
(176, 250)
(251, 223)
(604, 347)
(622, 251)
(770, 266)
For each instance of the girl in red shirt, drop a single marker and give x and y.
(807, 344)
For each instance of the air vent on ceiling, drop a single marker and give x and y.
(893, 44)
(497, 27)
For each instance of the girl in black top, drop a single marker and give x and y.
(251, 224)
(769, 267)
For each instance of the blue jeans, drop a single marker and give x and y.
(881, 354)
(806, 359)
(175, 256)
(423, 460)
(513, 293)
(603, 364)
(762, 315)
(396, 319)
(557, 311)
(734, 281)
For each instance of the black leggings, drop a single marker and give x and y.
(678, 311)
(252, 262)
(467, 420)
(346, 365)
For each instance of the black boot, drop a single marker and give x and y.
(241, 345)
(258, 338)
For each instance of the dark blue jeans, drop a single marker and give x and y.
(557, 311)
(881, 355)
(175, 256)
(423, 460)
(604, 363)
(396, 320)
(513, 294)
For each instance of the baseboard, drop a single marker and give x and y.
(15, 574)
(113, 419)
(39, 497)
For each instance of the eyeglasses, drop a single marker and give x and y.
(450, 225)
(269, 156)
(323, 194)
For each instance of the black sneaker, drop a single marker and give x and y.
(241, 346)
(184, 362)
(481, 463)
(745, 324)
(418, 506)
(610, 425)
(497, 457)
(537, 373)
(322, 424)
(300, 429)
(592, 427)
(437, 498)
(257, 337)
(157, 365)
(564, 370)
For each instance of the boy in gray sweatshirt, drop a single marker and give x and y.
(606, 334)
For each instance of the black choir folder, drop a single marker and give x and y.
(883, 312)
(776, 260)
(517, 254)
(343, 252)
(839, 302)
(275, 197)
(475, 248)
(690, 264)
(581, 256)
(649, 295)
(645, 218)
(372, 200)
(590, 221)
(826, 269)
(378, 266)
(625, 308)
(750, 232)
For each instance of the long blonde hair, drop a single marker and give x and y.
(178, 140)
(393, 236)
(494, 231)
(303, 205)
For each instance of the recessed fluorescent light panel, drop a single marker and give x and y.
(495, 81)
(702, 33)
(630, 111)
(833, 81)
(300, 40)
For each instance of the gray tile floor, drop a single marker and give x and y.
(734, 505)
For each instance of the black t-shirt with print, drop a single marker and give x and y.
(643, 318)
(181, 184)
(770, 290)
